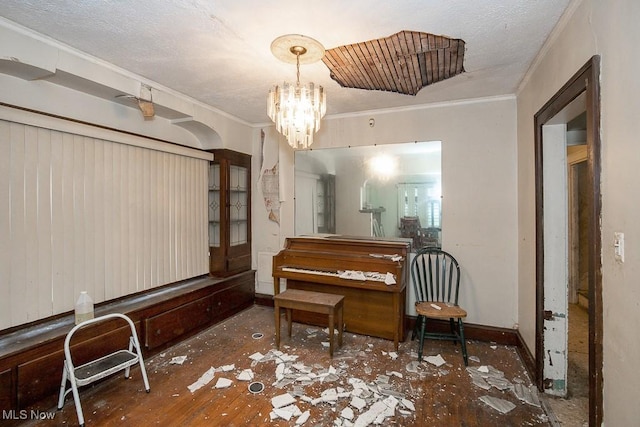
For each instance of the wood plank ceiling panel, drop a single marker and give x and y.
(404, 62)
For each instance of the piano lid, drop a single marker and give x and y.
(341, 242)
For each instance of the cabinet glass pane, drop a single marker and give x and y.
(238, 233)
(214, 205)
(214, 234)
(238, 205)
(238, 178)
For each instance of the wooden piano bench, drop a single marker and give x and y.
(316, 302)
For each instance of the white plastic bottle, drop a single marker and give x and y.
(84, 307)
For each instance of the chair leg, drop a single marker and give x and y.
(63, 386)
(422, 330)
(76, 399)
(452, 325)
(416, 327)
(463, 344)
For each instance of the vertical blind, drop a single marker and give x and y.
(84, 213)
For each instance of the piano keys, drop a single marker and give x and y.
(371, 307)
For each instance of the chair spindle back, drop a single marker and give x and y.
(436, 276)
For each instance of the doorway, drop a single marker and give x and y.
(553, 241)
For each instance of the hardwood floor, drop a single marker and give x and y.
(442, 396)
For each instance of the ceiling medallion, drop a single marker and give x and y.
(297, 109)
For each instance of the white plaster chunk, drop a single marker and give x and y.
(178, 360)
(500, 405)
(484, 369)
(257, 356)
(357, 383)
(370, 416)
(358, 403)
(393, 355)
(203, 380)
(223, 383)
(282, 400)
(526, 394)
(382, 379)
(347, 413)
(227, 368)
(395, 374)
(474, 359)
(286, 415)
(326, 344)
(245, 375)
(303, 418)
(329, 395)
(408, 404)
(499, 383)
(295, 411)
(435, 360)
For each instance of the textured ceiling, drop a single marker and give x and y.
(218, 52)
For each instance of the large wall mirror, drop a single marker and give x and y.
(386, 191)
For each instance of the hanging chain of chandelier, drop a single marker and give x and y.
(296, 109)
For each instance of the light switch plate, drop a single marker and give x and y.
(618, 246)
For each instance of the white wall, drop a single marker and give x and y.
(607, 28)
(479, 191)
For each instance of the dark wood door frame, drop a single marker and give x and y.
(587, 79)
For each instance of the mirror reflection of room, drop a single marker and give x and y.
(388, 191)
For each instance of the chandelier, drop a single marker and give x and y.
(297, 109)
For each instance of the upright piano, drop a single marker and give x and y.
(320, 263)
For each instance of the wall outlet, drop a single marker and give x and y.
(618, 246)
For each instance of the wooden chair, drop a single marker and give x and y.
(102, 367)
(436, 280)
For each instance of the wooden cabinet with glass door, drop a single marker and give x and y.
(229, 213)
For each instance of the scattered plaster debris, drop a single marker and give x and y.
(329, 395)
(412, 366)
(435, 360)
(500, 405)
(257, 356)
(484, 369)
(474, 359)
(227, 368)
(494, 347)
(358, 403)
(382, 379)
(303, 418)
(282, 400)
(393, 355)
(395, 373)
(203, 380)
(347, 413)
(245, 375)
(500, 383)
(408, 404)
(527, 394)
(326, 344)
(223, 383)
(178, 360)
